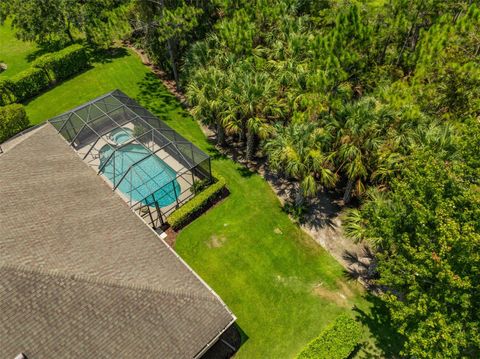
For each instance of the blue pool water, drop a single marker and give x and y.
(121, 135)
(150, 175)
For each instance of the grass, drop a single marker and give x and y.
(13, 52)
(281, 285)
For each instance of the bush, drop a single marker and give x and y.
(337, 341)
(6, 92)
(199, 185)
(29, 83)
(190, 210)
(63, 64)
(13, 119)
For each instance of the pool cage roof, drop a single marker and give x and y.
(103, 129)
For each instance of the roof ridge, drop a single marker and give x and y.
(81, 277)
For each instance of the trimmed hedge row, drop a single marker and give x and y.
(13, 119)
(337, 341)
(190, 210)
(6, 95)
(29, 83)
(63, 64)
(45, 72)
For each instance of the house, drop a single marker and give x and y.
(81, 275)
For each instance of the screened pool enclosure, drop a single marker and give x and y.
(152, 167)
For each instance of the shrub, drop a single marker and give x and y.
(190, 210)
(199, 185)
(63, 64)
(29, 83)
(337, 341)
(6, 92)
(13, 119)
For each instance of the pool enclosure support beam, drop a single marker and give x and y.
(81, 129)
(151, 217)
(210, 169)
(91, 148)
(175, 191)
(159, 211)
(67, 120)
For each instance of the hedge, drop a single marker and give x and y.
(29, 83)
(63, 64)
(337, 341)
(13, 119)
(190, 210)
(6, 92)
(45, 72)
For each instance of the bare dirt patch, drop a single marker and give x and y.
(340, 296)
(216, 241)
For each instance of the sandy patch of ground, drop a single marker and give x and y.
(216, 241)
(340, 296)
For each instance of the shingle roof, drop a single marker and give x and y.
(82, 275)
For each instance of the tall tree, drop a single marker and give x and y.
(360, 129)
(47, 22)
(206, 93)
(167, 23)
(253, 102)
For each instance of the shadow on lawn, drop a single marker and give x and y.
(156, 98)
(378, 321)
(228, 344)
(104, 56)
(47, 48)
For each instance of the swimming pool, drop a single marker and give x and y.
(150, 175)
(121, 135)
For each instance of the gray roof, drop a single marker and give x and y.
(82, 275)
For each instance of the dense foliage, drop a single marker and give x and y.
(166, 28)
(13, 119)
(337, 341)
(427, 232)
(57, 22)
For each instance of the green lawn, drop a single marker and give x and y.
(282, 286)
(13, 52)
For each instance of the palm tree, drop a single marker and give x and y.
(360, 131)
(206, 92)
(256, 126)
(299, 151)
(253, 105)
